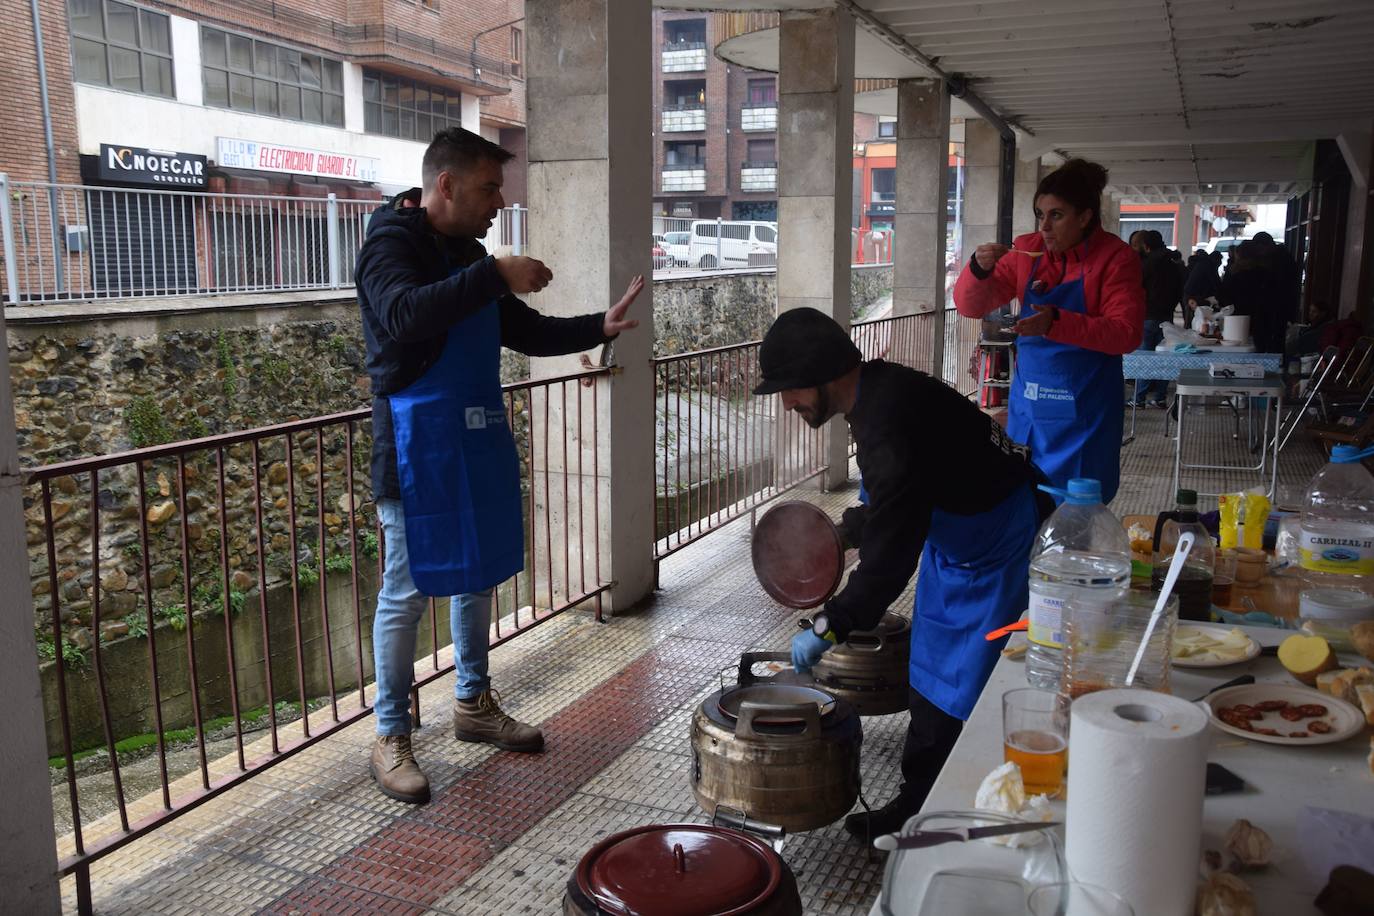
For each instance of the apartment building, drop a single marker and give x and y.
(715, 126)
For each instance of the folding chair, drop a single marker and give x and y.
(1322, 372)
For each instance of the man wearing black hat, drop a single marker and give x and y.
(942, 482)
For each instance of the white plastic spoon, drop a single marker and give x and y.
(1185, 544)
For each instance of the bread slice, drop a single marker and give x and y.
(1365, 693)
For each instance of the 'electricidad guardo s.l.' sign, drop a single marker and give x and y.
(233, 153)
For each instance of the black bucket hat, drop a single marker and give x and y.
(804, 348)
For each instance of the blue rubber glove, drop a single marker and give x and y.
(807, 649)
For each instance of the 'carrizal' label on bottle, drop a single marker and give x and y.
(1339, 554)
(1046, 621)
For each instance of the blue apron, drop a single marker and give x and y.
(459, 472)
(974, 577)
(1066, 401)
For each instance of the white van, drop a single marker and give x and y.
(742, 243)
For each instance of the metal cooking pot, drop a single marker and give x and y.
(683, 870)
(870, 669)
(783, 752)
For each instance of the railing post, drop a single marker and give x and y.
(517, 229)
(332, 224)
(720, 243)
(7, 229)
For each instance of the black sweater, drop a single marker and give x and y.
(410, 296)
(921, 446)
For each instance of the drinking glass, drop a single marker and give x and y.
(1074, 898)
(1035, 737)
(1223, 578)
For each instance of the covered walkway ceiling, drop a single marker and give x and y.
(1198, 97)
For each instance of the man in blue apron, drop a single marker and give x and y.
(944, 484)
(436, 311)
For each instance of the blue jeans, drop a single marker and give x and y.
(1158, 389)
(399, 609)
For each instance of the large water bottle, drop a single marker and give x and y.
(1082, 552)
(1336, 534)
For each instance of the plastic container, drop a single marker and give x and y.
(1194, 586)
(1081, 553)
(1100, 644)
(1336, 532)
(1335, 605)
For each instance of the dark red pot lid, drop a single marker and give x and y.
(679, 870)
(798, 555)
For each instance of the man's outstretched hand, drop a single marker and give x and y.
(615, 316)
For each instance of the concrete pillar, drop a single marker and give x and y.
(1186, 227)
(982, 173)
(590, 194)
(1111, 213)
(815, 178)
(918, 259)
(1023, 196)
(1357, 146)
(28, 849)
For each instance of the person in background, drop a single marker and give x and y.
(962, 502)
(1137, 243)
(1254, 286)
(1201, 283)
(1162, 278)
(1319, 318)
(436, 310)
(1082, 306)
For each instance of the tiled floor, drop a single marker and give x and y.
(504, 831)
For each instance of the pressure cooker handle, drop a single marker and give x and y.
(739, 820)
(808, 712)
(865, 642)
(746, 676)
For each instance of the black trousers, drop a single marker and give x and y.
(930, 736)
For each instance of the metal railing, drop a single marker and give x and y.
(721, 451)
(248, 564)
(81, 242)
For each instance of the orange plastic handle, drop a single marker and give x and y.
(1009, 628)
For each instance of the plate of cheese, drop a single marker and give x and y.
(1198, 646)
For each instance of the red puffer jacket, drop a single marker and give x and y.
(1112, 290)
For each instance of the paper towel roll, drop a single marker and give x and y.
(1235, 327)
(1137, 769)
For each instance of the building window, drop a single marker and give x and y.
(684, 95)
(121, 46)
(517, 53)
(762, 154)
(246, 74)
(684, 35)
(763, 92)
(691, 155)
(884, 185)
(395, 106)
(887, 128)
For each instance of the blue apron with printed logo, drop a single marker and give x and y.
(459, 472)
(1066, 401)
(974, 578)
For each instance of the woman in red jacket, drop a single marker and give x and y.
(1082, 307)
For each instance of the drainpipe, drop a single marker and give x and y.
(57, 258)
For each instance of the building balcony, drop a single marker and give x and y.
(759, 117)
(758, 176)
(684, 178)
(684, 57)
(679, 118)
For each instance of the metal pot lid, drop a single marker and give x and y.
(798, 555)
(775, 695)
(679, 870)
(889, 624)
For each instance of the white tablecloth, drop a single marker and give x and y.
(1282, 780)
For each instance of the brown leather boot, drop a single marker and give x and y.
(394, 768)
(481, 720)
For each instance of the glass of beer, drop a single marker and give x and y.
(1035, 737)
(1223, 579)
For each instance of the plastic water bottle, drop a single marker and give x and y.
(1336, 535)
(1082, 552)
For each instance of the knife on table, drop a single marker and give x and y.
(922, 838)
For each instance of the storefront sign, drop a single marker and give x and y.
(153, 167)
(271, 157)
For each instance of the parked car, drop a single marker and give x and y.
(741, 243)
(679, 247)
(661, 259)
